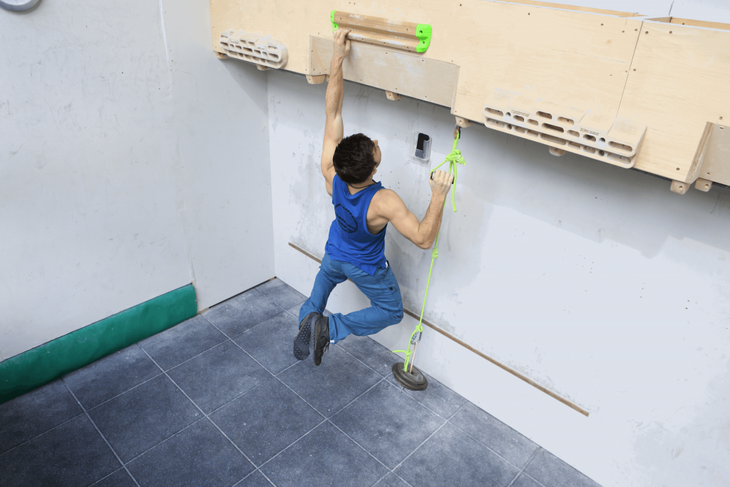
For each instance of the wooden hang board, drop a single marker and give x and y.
(573, 57)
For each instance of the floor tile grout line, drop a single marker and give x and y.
(362, 447)
(326, 419)
(389, 473)
(247, 476)
(401, 388)
(233, 399)
(102, 435)
(293, 443)
(277, 378)
(490, 448)
(206, 417)
(232, 338)
(227, 339)
(366, 365)
(42, 434)
(522, 470)
(428, 438)
(107, 476)
(124, 392)
(358, 397)
(163, 441)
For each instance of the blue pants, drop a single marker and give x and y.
(386, 307)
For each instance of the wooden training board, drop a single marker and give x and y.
(668, 75)
(390, 70)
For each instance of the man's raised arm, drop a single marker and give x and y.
(333, 128)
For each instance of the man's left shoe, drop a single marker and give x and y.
(304, 341)
(321, 338)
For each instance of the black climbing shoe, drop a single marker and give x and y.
(304, 341)
(321, 338)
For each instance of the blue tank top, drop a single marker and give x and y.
(349, 239)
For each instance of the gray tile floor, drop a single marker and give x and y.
(219, 400)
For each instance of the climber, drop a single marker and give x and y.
(355, 248)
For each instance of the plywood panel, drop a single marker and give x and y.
(667, 74)
(391, 70)
(676, 86)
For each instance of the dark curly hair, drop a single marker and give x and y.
(353, 159)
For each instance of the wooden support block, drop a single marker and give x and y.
(220, 55)
(260, 50)
(462, 122)
(703, 185)
(716, 163)
(393, 96)
(315, 80)
(394, 34)
(261, 68)
(679, 187)
(395, 71)
(556, 152)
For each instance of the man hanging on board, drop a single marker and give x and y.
(356, 245)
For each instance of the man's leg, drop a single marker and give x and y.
(330, 274)
(328, 277)
(385, 299)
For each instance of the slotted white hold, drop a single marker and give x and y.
(260, 50)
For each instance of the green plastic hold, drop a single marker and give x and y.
(423, 32)
(332, 18)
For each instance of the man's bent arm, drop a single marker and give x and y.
(422, 233)
(334, 129)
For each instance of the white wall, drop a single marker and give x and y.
(597, 282)
(127, 152)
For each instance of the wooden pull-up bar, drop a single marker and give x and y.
(395, 34)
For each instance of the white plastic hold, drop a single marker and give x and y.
(260, 50)
(565, 129)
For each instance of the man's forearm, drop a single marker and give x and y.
(335, 88)
(428, 229)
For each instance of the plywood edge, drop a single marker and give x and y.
(690, 23)
(699, 156)
(575, 8)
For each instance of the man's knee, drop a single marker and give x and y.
(397, 315)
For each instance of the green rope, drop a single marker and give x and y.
(453, 159)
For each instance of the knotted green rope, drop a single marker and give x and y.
(453, 159)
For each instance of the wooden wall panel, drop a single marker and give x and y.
(677, 84)
(668, 74)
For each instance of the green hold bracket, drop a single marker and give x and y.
(332, 18)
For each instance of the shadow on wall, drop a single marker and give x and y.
(241, 72)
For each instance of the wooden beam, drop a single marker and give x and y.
(448, 335)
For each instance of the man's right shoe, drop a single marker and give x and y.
(304, 341)
(321, 338)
